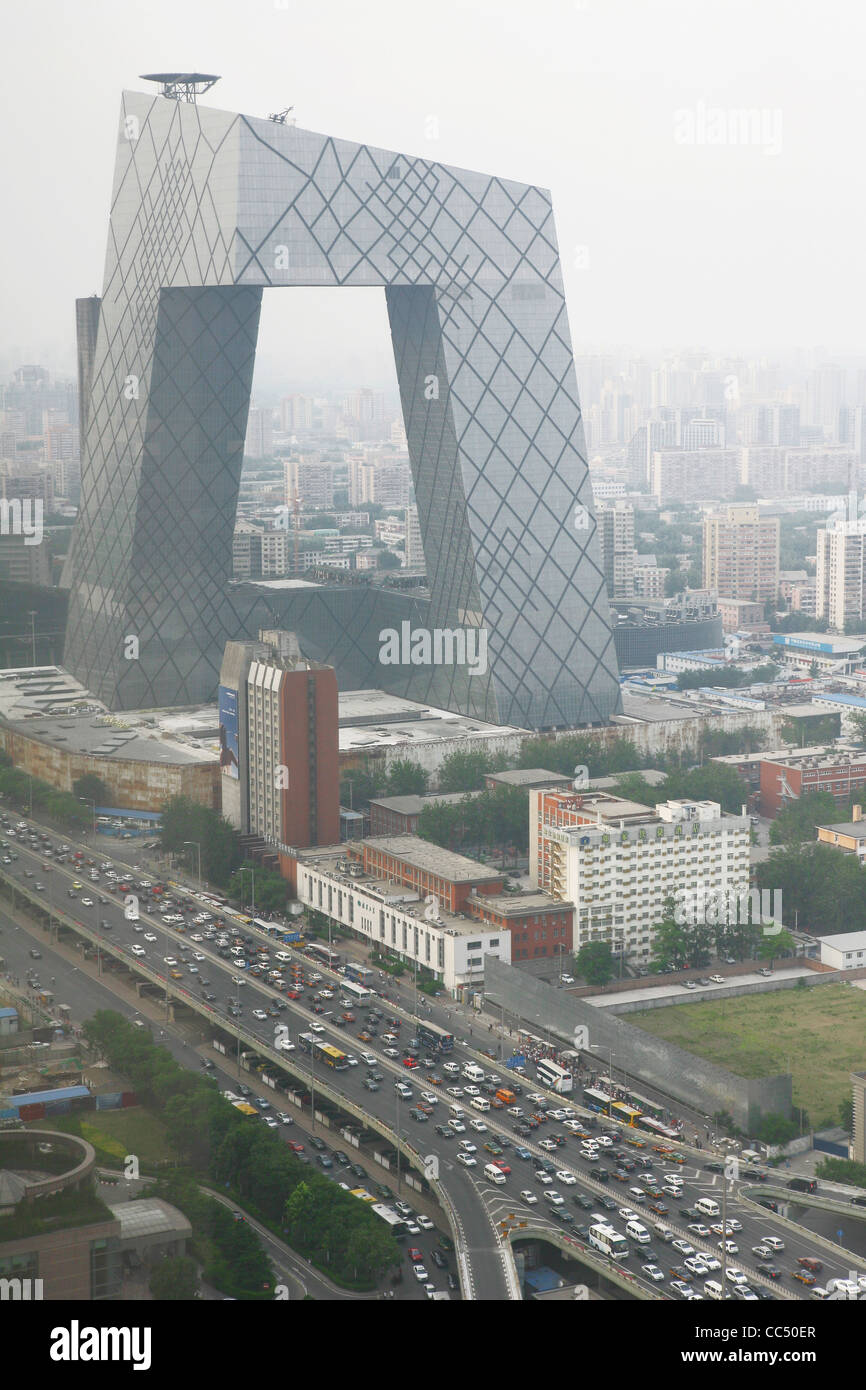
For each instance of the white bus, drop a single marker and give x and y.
(552, 1075)
(395, 1223)
(357, 993)
(604, 1238)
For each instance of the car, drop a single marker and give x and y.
(717, 979)
(683, 1247)
(468, 1147)
(765, 972)
(389, 1051)
(529, 1197)
(467, 1159)
(773, 1241)
(444, 1132)
(762, 1251)
(370, 1085)
(479, 1126)
(137, 950)
(804, 1277)
(260, 1015)
(682, 1289)
(549, 1145)
(699, 1229)
(169, 960)
(425, 1223)
(150, 936)
(807, 1262)
(565, 1177)
(317, 1028)
(414, 1255)
(735, 1276)
(544, 1178)
(745, 1293)
(729, 1247)
(770, 1271)
(653, 1272)
(420, 1273)
(695, 1265)
(659, 1208)
(520, 1152)
(285, 1119)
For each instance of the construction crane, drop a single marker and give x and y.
(280, 117)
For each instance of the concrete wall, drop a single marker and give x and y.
(698, 1083)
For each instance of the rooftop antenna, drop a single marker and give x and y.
(281, 117)
(181, 86)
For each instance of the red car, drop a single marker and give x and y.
(293, 993)
(295, 1146)
(414, 1254)
(409, 1062)
(501, 1165)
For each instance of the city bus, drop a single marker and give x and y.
(596, 1100)
(361, 974)
(330, 1055)
(656, 1127)
(627, 1113)
(436, 1038)
(644, 1105)
(396, 1225)
(324, 954)
(554, 1076)
(604, 1238)
(357, 993)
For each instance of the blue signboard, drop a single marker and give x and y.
(228, 716)
(517, 1060)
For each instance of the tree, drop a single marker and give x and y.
(406, 778)
(174, 1279)
(771, 944)
(464, 772)
(796, 823)
(185, 820)
(857, 723)
(358, 787)
(594, 962)
(671, 944)
(388, 560)
(92, 788)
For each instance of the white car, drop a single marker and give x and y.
(554, 1198)
(735, 1225)
(565, 1177)
(452, 1090)
(773, 1241)
(169, 960)
(467, 1160)
(735, 1276)
(471, 1091)
(696, 1265)
(317, 1028)
(368, 1058)
(425, 1223)
(730, 1247)
(653, 1272)
(479, 1126)
(199, 955)
(683, 1247)
(468, 1147)
(537, 1098)
(699, 1229)
(87, 902)
(673, 1178)
(420, 1274)
(150, 936)
(605, 1141)
(430, 1097)
(137, 950)
(717, 979)
(458, 1126)
(529, 1197)
(626, 1213)
(350, 1060)
(557, 1114)
(391, 1052)
(549, 1145)
(745, 1294)
(260, 1015)
(544, 1178)
(515, 1110)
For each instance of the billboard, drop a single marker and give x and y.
(228, 715)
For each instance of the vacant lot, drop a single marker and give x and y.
(116, 1133)
(819, 1035)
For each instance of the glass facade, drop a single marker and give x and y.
(208, 209)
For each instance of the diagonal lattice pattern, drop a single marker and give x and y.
(208, 209)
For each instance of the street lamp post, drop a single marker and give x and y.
(610, 1056)
(87, 802)
(198, 853)
(250, 869)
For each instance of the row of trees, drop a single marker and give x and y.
(678, 945)
(271, 889)
(325, 1224)
(488, 818)
(63, 808)
(187, 823)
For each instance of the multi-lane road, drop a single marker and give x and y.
(481, 1208)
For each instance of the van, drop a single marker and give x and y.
(751, 1155)
(664, 1233)
(479, 1103)
(706, 1206)
(713, 1289)
(636, 1232)
(507, 1097)
(472, 1072)
(637, 1193)
(457, 1112)
(493, 1174)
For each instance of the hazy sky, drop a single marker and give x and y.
(668, 237)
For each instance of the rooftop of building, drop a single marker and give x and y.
(333, 860)
(820, 641)
(130, 737)
(645, 709)
(817, 758)
(375, 718)
(520, 903)
(28, 692)
(528, 777)
(846, 941)
(414, 805)
(854, 829)
(149, 1216)
(429, 858)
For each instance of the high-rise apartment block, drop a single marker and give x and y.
(694, 475)
(296, 414)
(840, 577)
(619, 862)
(279, 742)
(310, 480)
(414, 545)
(616, 538)
(741, 553)
(771, 425)
(259, 438)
